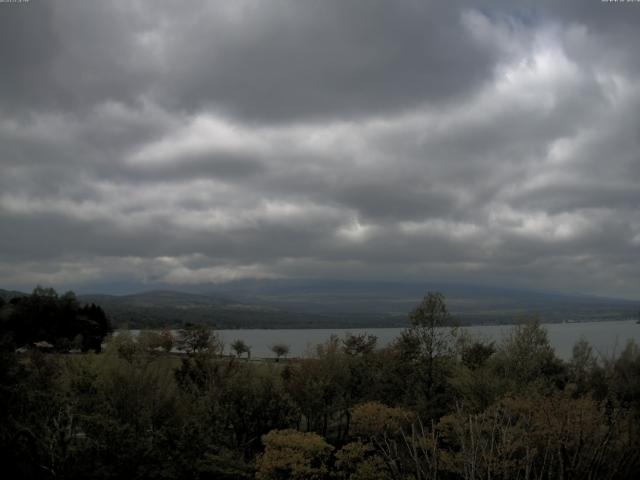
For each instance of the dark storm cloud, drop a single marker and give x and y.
(282, 60)
(72, 54)
(262, 61)
(154, 142)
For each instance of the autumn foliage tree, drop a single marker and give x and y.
(293, 455)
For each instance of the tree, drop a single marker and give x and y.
(94, 325)
(387, 429)
(320, 386)
(375, 420)
(582, 366)
(280, 349)
(359, 461)
(624, 373)
(430, 340)
(197, 338)
(150, 341)
(240, 347)
(428, 324)
(473, 377)
(124, 345)
(254, 402)
(43, 316)
(526, 356)
(359, 344)
(290, 454)
(476, 353)
(167, 340)
(540, 436)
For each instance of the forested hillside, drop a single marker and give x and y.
(158, 309)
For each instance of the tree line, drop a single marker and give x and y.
(52, 321)
(435, 404)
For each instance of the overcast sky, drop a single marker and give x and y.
(182, 143)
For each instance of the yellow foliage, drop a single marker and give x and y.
(290, 454)
(373, 418)
(553, 437)
(359, 461)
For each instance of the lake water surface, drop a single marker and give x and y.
(607, 338)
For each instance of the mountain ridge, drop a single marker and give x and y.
(344, 304)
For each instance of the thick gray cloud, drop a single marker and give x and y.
(153, 142)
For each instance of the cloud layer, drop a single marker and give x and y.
(147, 141)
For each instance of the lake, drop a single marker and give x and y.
(607, 338)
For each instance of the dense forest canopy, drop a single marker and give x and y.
(52, 320)
(437, 403)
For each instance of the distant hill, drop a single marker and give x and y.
(342, 304)
(393, 300)
(9, 294)
(161, 308)
(172, 308)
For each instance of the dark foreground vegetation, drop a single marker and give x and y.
(435, 404)
(57, 323)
